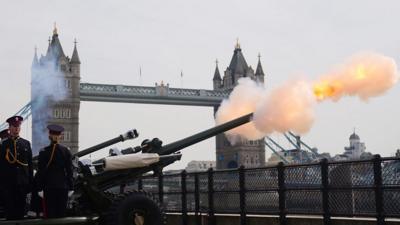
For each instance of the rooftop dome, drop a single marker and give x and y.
(354, 136)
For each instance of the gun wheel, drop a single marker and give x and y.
(135, 208)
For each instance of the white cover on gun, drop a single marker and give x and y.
(130, 161)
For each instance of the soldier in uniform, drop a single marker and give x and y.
(55, 174)
(16, 170)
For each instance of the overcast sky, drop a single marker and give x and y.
(115, 38)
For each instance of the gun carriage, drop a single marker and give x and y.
(94, 180)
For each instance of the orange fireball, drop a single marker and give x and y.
(323, 90)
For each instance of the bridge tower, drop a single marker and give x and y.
(55, 94)
(244, 152)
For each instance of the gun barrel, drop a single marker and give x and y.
(128, 135)
(130, 150)
(191, 140)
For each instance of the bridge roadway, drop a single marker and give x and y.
(159, 94)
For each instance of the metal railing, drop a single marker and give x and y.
(364, 188)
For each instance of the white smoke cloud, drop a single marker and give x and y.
(243, 100)
(47, 87)
(287, 108)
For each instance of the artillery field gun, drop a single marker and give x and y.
(91, 198)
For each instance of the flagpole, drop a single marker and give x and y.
(140, 75)
(181, 79)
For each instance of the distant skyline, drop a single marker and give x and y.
(141, 43)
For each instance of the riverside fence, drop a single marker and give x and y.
(365, 188)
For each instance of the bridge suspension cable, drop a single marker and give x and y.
(298, 143)
(294, 140)
(273, 145)
(25, 112)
